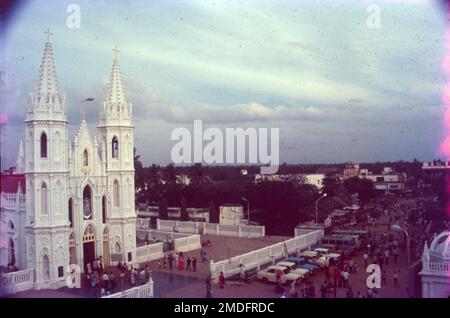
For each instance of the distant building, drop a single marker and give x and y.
(351, 170)
(435, 169)
(315, 179)
(386, 181)
(435, 274)
(432, 172)
(231, 214)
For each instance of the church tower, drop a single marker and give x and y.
(46, 172)
(20, 160)
(116, 137)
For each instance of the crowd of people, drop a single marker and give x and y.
(177, 261)
(382, 249)
(103, 282)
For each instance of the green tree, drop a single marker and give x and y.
(184, 215)
(364, 188)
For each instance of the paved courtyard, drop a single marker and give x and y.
(222, 247)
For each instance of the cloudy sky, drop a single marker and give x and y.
(337, 89)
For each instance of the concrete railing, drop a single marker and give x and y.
(149, 253)
(178, 226)
(265, 255)
(211, 228)
(143, 223)
(439, 266)
(188, 243)
(158, 235)
(234, 230)
(144, 291)
(15, 282)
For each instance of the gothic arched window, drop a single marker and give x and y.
(115, 147)
(44, 197)
(116, 193)
(85, 158)
(43, 145)
(104, 210)
(87, 203)
(70, 212)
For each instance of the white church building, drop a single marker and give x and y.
(435, 274)
(70, 201)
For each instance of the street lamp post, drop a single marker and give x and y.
(248, 209)
(396, 227)
(317, 202)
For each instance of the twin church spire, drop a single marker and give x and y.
(47, 98)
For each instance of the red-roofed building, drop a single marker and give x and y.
(10, 183)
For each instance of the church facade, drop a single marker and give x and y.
(80, 193)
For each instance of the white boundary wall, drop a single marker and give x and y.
(265, 255)
(15, 282)
(144, 291)
(187, 244)
(149, 252)
(211, 228)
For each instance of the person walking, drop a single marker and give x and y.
(170, 259)
(100, 264)
(105, 281)
(293, 291)
(346, 276)
(323, 290)
(112, 281)
(133, 278)
(366, 259)
(395, 252)
(203, 256)
(395, 277)
(208, 287)
(93, 281)
(349, 292)
(194, 264)
(180, 263)
(176, 260)
(386, 256)
(222, 280)
(188, 264)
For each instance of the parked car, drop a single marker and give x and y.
(303, 272)
(270, 275)
(315, 258)
(326, 252)
(301, 262)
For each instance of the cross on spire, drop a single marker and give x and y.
(116, 52)
(49, 34)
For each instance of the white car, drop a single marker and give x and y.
(270, 275)
(315, 258)
(303, 272)
(326, 252)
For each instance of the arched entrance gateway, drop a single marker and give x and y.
(88, 246)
